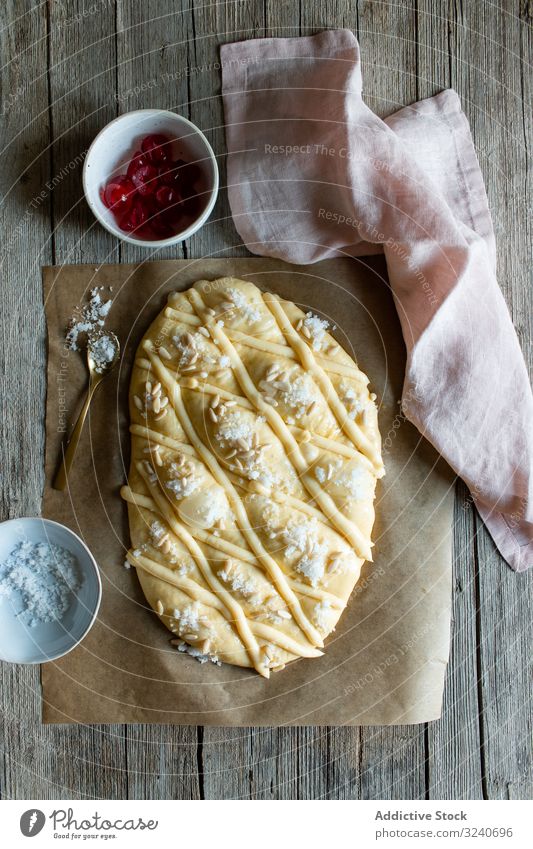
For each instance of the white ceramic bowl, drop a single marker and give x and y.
(113, 148)
(20, 643)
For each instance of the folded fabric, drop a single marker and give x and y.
(314, 173)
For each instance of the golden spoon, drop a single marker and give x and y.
(103, 352)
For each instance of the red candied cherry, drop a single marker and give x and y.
(118, 194)
(193, 206)
(137, 161)
(166, 196)
(157, 148)
(162, 224)
(135, 219)
(145, 179)
(171, 173)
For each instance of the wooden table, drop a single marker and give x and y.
(70, 67)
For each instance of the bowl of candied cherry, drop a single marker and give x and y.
(151, 178)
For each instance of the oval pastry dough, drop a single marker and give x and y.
(255, 453)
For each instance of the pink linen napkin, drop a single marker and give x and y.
(313, 173)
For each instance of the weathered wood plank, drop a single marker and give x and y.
(82, 61)
(24, 216)
(495, 89)
(453, 766)
(162, 762)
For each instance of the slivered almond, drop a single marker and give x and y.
(164, 402)
(204, 331)
(239, 464)
(306, 332)
(156, 404)
(167, 545)
(210, 311)
(156, 388)
(205, 648)
(193, 358)
(299, 324)
(215, 401)
(231, 454)
(242, 443)
(189, 338)
(159, 607)
(190, 637)
(212, 415)
(161, 540)
(284, 614)
(137, 401)
(230, 403)
(148, 387)
(164, 353)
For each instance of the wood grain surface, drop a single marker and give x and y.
(68, 68)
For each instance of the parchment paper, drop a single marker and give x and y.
(385, 663)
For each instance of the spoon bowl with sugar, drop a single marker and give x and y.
(103, 352)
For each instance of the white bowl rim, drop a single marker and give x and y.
(178, 237)
(91, 559)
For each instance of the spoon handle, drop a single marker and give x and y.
(61, 478)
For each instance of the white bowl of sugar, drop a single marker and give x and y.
(50, 590)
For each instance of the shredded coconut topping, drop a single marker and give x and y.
(41, 580)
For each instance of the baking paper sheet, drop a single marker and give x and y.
(386, 661)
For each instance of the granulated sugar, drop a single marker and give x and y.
(103, 350)
(40, 580)
(89, 318)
